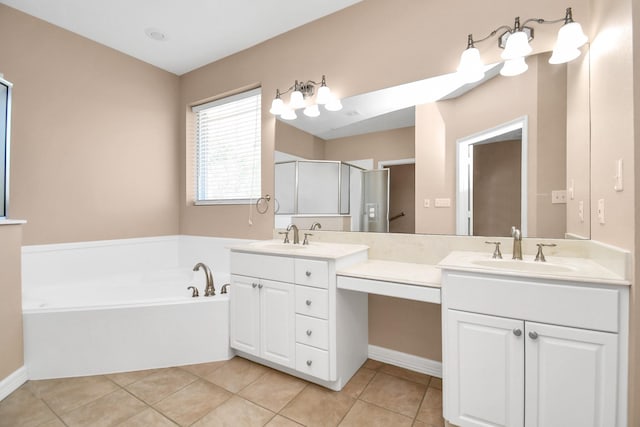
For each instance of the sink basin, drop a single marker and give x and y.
(283, 247)
(518, 265)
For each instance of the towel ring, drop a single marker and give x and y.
(262, 204)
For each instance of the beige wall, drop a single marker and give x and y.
(11, 355)
(94, 136)
(385, 145)
(293, 141)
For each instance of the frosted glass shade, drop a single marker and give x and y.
(514, 67)
(333, 105)
(323, 96)
(288, 114)
(297, 100)
(471, 68)
(517, 46)
(277, 107)
(561, 55)
(312, 111)
(571, 35)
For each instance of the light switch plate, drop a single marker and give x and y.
(443, 203)
(558, 196)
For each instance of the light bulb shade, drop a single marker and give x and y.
(277, 107)
(333, 105)
(561, 55)
(471, 68)
(312, 111)
(517, 46)
(571, 36)
(296, 100)
(288, 114)
(323, 96)
(513, 67)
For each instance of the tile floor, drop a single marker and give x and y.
(233, 393)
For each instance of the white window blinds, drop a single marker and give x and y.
(228, 142)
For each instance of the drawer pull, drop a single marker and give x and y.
(533, 335)
(308, 302)
(308, 273)
(253, 285)
(517, 332)
(260, 286)
(309, 332)
(309, 362)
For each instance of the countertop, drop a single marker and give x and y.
(394, 271)
(312, 250)
(556, 268)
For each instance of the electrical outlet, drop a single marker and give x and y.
(581, 210)
(559, 196)
(619, 185)
(601, 211)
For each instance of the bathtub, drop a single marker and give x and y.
(76, 324)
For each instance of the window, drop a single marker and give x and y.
(228, 142)
(5, 121)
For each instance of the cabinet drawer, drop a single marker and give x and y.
(262, 266)
(312, 331)
(312, 302)
(312, 361)
(312, 273)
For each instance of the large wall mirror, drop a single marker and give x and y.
(455, 159)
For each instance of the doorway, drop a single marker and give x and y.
(402, 215)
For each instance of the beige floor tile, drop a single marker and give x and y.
(161, 384)
(237, 374)
(317, 406)
(358, 382)
(436, 383)
(109, 410)
(374, 365)
(203, 369)
(431, 409)
(147, 418)
(396, 371)
(22, 408)
(366, 414)
(126, 378)
(280, 421)
(192, 402)
(70, 393)
(395, 394)
(273, 390)
(236, 412)
(53, 423)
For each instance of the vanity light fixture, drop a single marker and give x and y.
(515, 42)
(301, 94)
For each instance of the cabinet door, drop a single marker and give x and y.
(277, 322)
(245, 314)
(570, 377)
(485, 365)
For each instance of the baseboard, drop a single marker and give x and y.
(12, 382)
(405, 360)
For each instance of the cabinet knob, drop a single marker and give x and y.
(533, 335)
(253, 285)
(309, 362)
(309, 332)
(308, 273)
(308, 302)
(260, 286)
(517, 332)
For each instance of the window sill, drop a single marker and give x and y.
(224, 202)
(12, 221)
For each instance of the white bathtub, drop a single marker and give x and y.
(76, 325)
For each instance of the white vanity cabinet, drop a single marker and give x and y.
(287, 313)
(533, 352)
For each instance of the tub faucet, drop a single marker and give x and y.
(209, 291)
(296, 235)
(315, 226)
(517, 243)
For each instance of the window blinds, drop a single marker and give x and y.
(228, 142)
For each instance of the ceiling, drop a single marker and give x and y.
(196, 32)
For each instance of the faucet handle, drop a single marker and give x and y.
(540, 256)
(286, 236)
(194, 291)
(306, 238)
(496, 252)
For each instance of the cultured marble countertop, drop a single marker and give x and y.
(557, 268)
(394, 271)
(312, 250)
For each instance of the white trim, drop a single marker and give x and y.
(399, 162)
(405, 360)
(4, 221)
(13, 381)
(96, 243)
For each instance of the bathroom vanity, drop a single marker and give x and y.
(533, 344)
(286, 311)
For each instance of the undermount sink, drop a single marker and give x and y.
(518, 265)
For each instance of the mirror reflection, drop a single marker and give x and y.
(445, 158)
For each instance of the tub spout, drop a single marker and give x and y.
(210, 290)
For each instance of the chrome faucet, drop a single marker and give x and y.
(517, 243)
(315, 226)
(209, 291)
(296, 235)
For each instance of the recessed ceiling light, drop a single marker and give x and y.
(155, 34)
